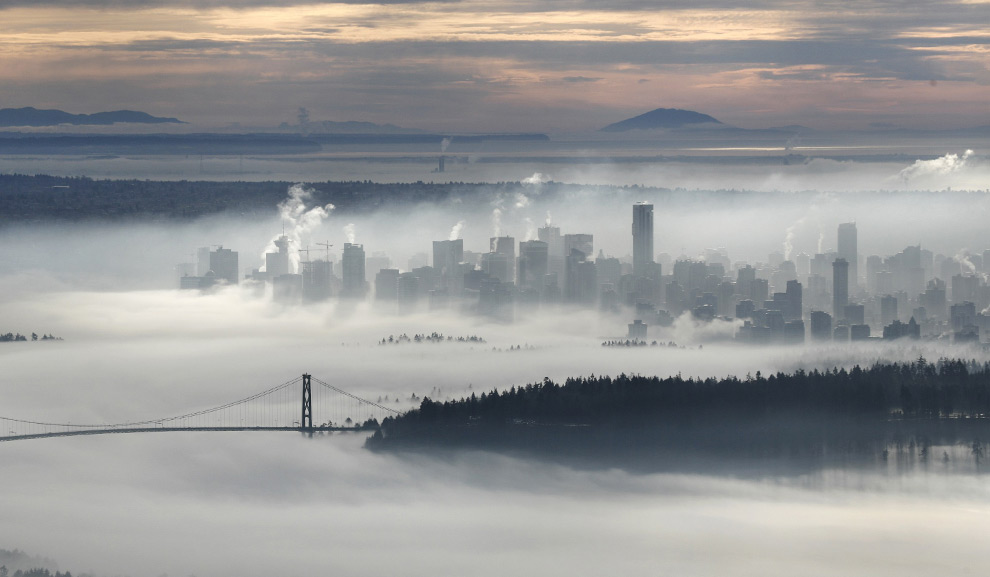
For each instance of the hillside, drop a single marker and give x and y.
(661, 118)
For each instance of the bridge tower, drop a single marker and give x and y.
(307, 404)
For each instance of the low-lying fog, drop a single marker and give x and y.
(259, 504)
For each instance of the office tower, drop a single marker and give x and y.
(387, 285)
(408, 289)
(642, 232)
(888, 309)
(447, 254)
(533, 263)
(585, 243)
(352, 263)
(316, 277)
(840, 287)
(848, 251)
(505, 245)
(202, 260)
(223, 263)
(498, 265)
(375, 263)
(794, 301)
(821, 326)
(581, 285)
(277, 263)
(555, 249)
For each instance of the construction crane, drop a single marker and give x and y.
(305, 250)
(327, 245)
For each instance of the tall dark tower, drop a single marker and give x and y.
(848, 250)
(642, 231)
(840, 288)
(353, 281)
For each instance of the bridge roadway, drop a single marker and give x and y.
(308, 430)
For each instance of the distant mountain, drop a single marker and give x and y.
(661, 118)
(33, 117)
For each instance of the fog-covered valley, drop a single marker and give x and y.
(136, 347)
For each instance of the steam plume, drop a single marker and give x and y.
(497, 222)
(350, 231)
(943, 165)
(298, 221)
(444, 144)
(789, 238)
(455, 232)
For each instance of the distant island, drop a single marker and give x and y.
(29, 116)
(661, 118)
(912, 411)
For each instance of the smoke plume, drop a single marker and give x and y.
(350, 232)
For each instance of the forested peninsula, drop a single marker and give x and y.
(836, 416)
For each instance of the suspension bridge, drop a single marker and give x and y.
(291, 406)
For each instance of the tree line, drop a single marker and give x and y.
(842, 411)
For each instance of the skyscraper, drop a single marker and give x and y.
(840, 288)
(533, 262)
(223, 263)
(277, 263)
(848, 250)
(642, 231)
(352, 263)
(447, 255)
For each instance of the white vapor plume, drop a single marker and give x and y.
(522, 201)
(537, 178)
(962, 257)
(497, 222)
(943, 165)
(549, 219)
(821, 241)
(298, 221)
(444, 144)
(789, 238)
(530, 229)
(350, 232)
(455, 232)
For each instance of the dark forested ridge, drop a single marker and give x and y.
(26, 198)
(846, 413)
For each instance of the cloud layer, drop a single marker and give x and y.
(484, 65)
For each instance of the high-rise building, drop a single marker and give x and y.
(316, 283)
(447, 258)
(849, 251)
(888, 309)
(277, 263)
(447, 254)
(533, 263)
(642, 232)
(795, 305)
(387, 285)
(821, 326)
(505, 245)
(840, 287)
(555, 249)
(353, 282)
(223, 263)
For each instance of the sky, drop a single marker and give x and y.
(503, 65)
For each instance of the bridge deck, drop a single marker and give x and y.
(119, 430)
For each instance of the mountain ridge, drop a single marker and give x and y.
(30, 116)
(661, 118)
